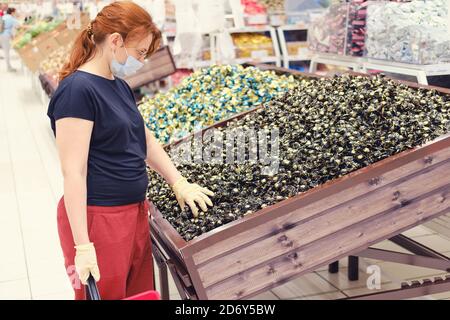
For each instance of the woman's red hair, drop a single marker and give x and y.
(124, 17)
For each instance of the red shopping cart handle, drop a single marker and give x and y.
(92, 289)
(93, 294)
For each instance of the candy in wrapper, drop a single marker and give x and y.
(210, 95)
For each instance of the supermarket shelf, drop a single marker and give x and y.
(299, 58)
(287, 58)
(421, 72)
(355, 63)
(195, 65)
(269, 59)
(203, 63)
(293, 27)
(281, 57)
(207, 63)
(275, 45)
(262, 60)
(360, 64)
(251, 29)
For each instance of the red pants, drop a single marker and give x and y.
(121, 237)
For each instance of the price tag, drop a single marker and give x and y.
(259, 54)
(257, 19)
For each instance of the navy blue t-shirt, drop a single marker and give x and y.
(116, 173)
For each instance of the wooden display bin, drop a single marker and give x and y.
(47, 46)
(158, 66)
(340, 218)
(39, 48)
(66, 37)
(31, 56)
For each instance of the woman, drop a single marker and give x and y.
(103, 146)
(10, 23)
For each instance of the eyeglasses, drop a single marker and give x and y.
(141, 53)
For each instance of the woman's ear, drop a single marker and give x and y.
(115, 40)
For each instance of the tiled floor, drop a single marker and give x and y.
(32, 264)
(30, 186)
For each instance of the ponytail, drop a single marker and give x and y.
(124, 17)
(83, 49)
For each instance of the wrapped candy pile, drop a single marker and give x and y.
(327, 129)
(210, 95)
(414, 32)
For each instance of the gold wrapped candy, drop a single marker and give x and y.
(246, 43)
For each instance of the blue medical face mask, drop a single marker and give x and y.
(131, 66)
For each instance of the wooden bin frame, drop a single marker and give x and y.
(200, 274)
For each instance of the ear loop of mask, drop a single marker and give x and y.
(126, 51)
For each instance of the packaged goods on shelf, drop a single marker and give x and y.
(206, 55)
(357, 28)
(253, 7)
(258, 7)
(429, 46)
(246, 43)
(393, 30)
(209, 95)
(327, 128)
(296, 47)
(298, 18)
(273, 5)
(328, 33)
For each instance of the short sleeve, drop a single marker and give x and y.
(73, 99)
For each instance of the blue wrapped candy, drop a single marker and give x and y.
(210, 95)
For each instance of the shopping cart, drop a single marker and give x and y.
(93, 294)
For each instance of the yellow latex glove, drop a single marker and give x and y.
(191, 193)
(86, 262)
